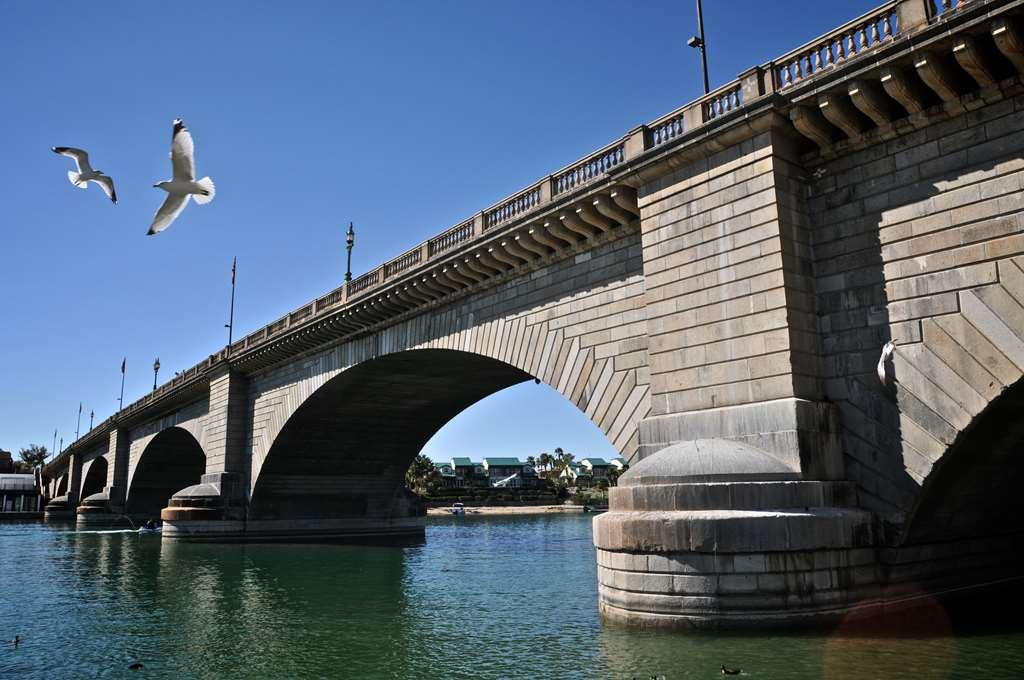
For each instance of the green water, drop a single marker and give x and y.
(507, 597)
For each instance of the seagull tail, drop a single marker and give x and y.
(207, 185)
(76, 179)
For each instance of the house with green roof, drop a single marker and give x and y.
(505, 472)
(468, 474)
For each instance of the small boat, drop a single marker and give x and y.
(457, 508)
(147, 530)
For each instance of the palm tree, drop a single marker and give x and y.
(545, 460)
(531, 461)
(562, 459)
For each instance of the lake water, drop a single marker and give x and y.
(483, 597)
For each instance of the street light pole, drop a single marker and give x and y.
(91, 415)
(350, 240)
(78, 426)
(120, 399)
(230, 325)
(156, 369)
(54, 452)
(699, 43)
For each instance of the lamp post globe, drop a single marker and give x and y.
(156, 369)
(350, 240)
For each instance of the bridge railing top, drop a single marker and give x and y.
(831, 49)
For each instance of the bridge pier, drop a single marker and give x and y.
(216, 509)
(713, 533)
(59, 509)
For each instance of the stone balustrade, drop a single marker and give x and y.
(513, 207)
(589, 169)
(849, 41)
(451, 238)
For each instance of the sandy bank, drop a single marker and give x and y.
(511, 510)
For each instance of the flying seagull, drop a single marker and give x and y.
(85, 172)
(887, 351)
(183, 182)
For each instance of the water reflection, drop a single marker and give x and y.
(481, 598)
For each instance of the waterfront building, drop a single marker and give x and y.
(447, 475)
(468, 474)
(508, 471)
(18, 493)
(598, 468)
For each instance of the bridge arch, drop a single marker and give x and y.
(62, 486)
(343, 451)
(171, 461)
(94, 477)
(974, 490)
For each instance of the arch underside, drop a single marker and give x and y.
(344, 452)
(975, 490)
(95, 477)
(171, 461)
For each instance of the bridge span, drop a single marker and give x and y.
(713, 290)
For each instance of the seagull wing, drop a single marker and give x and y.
(167, 213)
(80, 156)
(182, 159)
(107, 184)
(887, 351)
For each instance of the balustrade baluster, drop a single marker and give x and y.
(886, 27)
(863, 36)
(874, 33)
(817, 60)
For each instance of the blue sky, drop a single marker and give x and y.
(403, 117)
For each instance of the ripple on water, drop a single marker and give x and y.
(482, 597)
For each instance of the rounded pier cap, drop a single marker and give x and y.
(707, 460)
(198, 491)
(100, 497)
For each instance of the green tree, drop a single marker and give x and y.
(613, 476)
(544, 460)
(531, 461)
(562, 459)
(34, 455)
(422, 475)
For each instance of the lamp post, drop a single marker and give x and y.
(350, 240)
(156, 369)
(92, 414)
(697, 42)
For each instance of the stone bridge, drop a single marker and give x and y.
(713, 290)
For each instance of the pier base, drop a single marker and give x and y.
(59, 509)
(96, 511)
(787, 552)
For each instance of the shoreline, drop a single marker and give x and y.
(508, 510)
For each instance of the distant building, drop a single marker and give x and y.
(18, 493)
(576, 475)
(507, 471)
(598, 468)
(468, 474)
(589, 471)
(447, 474)
(619, 463)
